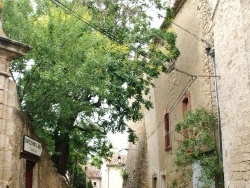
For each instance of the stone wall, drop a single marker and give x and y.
(136, 165)
(13, 126)
(231, 43)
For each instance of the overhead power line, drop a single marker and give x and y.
(194, 75)
(79, 17)
(113, 37)
(188, 32)
(101, 30)
(110, 35)
(187, 86)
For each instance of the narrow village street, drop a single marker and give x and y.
(97, 94)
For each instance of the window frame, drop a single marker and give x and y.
(167, 128)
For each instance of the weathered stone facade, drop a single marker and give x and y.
(225, 25)
(136, 165)
(13, 126)
(231, 43)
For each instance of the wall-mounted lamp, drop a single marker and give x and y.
(209, 50)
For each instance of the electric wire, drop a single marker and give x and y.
(102, 31)
(187, 86)
(76, 15)
(198, 38)
(111, 36)
(189, 74)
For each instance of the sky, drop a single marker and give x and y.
(119, 140)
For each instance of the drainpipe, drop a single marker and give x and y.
(212, 54)
(108, 177)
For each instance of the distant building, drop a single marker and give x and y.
(94, 175)
(112, 171)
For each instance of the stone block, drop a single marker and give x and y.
(244, 148)
(1, 97)
(246, 156)
(240, 167)
(10, 128)
(2, 64)
(1, 143)
(9, 114)
(246, 176)
(2, 80)
(238, 184)
(7, 173)
(1, 111)
(237, 176)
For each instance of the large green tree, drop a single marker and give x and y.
(91, 64)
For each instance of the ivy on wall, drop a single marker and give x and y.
(200, 148)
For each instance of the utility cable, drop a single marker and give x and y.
(102, 31)
(187, 86)
(110, 35)
(188, 32)
(189, 74)
(73, 13)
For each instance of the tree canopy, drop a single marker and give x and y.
(91, 64)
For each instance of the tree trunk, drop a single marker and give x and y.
(62, 142)
(61, 156)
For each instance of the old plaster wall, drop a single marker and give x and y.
(170, 89)
(231, 43)
(13, 126)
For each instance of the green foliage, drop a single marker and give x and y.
(124, 173)
(200, 148)
(79, 179)
(90, 184)
(78, 83)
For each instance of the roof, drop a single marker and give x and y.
(116, 159)
(93, 172)
(177, 6)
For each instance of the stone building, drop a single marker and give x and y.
(24, 161)
(93, 175)
(136, 166)
(111, 171)
(225, 26)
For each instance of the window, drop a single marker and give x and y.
(186, 103)
(163, 181)
(167, 132)
(154, 182)
(186, 107)
(94, 183)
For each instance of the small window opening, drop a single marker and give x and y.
(154, 182)
(185, 108)
(163, 181)
(167, 132)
